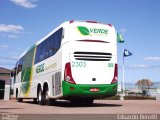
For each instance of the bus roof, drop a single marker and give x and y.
(63, 25)
(67, 23)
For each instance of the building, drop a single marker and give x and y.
(5, 82)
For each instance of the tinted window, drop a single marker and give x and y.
(49, 46)
(20, 65)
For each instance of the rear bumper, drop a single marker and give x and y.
(83, 90)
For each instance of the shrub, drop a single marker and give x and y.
(117, 97)
(139, 98)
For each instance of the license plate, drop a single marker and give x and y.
(94, 89)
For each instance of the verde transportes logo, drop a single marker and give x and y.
(92, 31)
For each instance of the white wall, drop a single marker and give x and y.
(7, 92)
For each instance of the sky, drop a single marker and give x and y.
(24, 22)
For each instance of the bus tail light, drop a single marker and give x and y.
(109, 25)
(71, 21)
(68, 74)
(115, 77)
(89, 21)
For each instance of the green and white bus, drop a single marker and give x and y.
(77, 61)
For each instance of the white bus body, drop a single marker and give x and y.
(77, 60)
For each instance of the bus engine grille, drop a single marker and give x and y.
(93, 56)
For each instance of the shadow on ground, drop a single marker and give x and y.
(68, 104)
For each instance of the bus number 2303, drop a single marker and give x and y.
(78, 64)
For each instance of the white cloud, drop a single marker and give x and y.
(152, 58)
(12, 36)
(9, 35)
(143, 66)
(3, 46)
(122, 30)
(11, 28)
(138, 66)
(25, 3)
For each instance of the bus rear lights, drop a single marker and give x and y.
(115, 77)
(91, 21)
(110, 25)
(86, 40)
(67, 78)
(68, 74)
(71, 21)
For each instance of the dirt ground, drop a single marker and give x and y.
(99, 107)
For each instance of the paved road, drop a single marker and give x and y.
(104, 107)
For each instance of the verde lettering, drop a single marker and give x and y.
(40, 68)
(100, 31)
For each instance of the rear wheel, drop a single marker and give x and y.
(17, 98)
(88, 102)
(20, 99)
(46, 97)
(41, 97)
(35, 100)
(82, 102)
(50, 102)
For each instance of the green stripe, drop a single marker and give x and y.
(26, 70)
(83, 90)
(31, 48)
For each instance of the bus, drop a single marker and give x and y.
(77, 62)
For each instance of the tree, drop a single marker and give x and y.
(144, 85)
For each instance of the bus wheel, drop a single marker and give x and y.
(46, 97)
(82, 102)
(41, 97)
(35, 100)
(17, 98)
(16, 94)
(50, 102)
(88, 102)
(20, 99)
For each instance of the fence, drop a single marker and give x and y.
(133, 88)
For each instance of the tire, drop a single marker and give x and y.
(20, 99)
(17, 94)
(41, 97)
(35, 100)
(50, 102)
(82, 102)
(17, 98)
(88, 102)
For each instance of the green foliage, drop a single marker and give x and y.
(117, 97)
(139, 98)
(144, 85)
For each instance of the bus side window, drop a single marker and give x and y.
(57, 40)
(20, 63)
(42, 56)
(51, 51)
(38, 54)
(49, 46)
